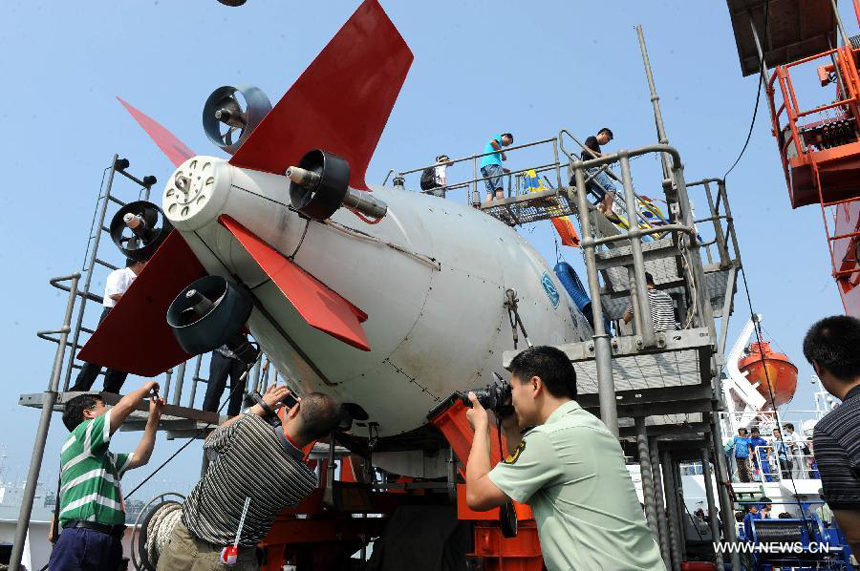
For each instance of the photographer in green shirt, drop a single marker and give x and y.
(567, 467)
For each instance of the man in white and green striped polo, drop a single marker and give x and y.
(92, 517)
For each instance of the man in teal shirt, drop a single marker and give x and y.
(569, 469)
(491, 164)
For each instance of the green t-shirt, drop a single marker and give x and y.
(571, 472)
(89, 485)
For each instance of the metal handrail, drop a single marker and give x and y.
(605, 168)
(471, 157)
(50, 398)
(792, 454)
(719, 210)
(555, 165)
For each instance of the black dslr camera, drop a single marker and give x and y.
(496, 396)
(270, 415)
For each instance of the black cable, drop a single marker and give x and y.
(757, 97)
(757, 328)
(196, 435)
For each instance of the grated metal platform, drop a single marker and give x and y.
(177, 421)
(530, 207)
(638, 372)
(679, 419)
(682, 359)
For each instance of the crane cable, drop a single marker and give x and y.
(756, 325)
(757, 328)
(757, 97)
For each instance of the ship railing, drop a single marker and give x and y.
(776, 462)
(514, 178)
(641, 201)
(766, 420)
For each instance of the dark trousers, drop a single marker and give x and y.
(89, 371)
(743, 469)
(85, 549)
(785, 466)
(219, 368)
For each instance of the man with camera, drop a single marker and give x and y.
(256, 469)
(567, 466)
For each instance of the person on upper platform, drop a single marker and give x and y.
(491, 165)
(832, 346)
(434, 179)
(761, 456)
(598, 183)
(117, 283)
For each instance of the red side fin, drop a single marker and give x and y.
(135, 337)
(175, 149)
(322, 307)
(340, 103)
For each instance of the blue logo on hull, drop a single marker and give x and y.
(549, 288)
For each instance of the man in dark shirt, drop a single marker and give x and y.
(600, 184)
(832, 346)
(254, 467)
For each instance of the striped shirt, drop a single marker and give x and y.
(836, 446)
(662, 310)
(248, 458)
(90, 474)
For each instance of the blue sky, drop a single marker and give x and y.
(480, 68)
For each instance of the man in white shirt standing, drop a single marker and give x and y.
(118, 281)
(798, 449)
(434, 180)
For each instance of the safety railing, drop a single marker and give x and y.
(643, 203)
(722, 246)
(789, 134)
(786, 460)
(474, 186)
(683, 229)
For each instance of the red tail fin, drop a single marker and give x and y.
(175, 149)
(135, 337)
(322, 307)
(340, 103)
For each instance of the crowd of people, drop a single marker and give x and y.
(763, 459)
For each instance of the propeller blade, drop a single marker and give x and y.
(177, 152)
(340, 103)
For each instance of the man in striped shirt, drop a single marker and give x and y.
(832, 346)
(91, 510)
(249, 458)
(662, 307)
